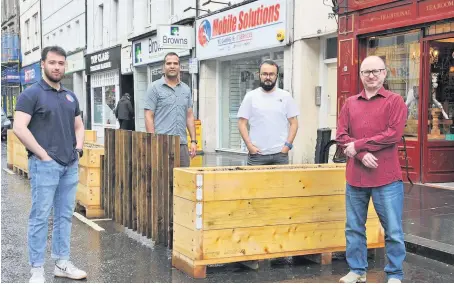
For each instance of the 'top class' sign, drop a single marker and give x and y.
(249, 27)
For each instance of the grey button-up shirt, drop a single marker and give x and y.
(170, 107)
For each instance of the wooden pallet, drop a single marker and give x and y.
(89, 211)
(20, 172)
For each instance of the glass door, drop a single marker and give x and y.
(438, 149)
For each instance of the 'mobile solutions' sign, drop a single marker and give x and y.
(257, 25)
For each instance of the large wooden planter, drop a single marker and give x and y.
(89, 188)
(234, 214)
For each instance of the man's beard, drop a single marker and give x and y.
(268, 87)
(50, 77)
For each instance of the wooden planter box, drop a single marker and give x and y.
(234, 214)
(89, 188)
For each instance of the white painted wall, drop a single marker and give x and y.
(64, 24)
(29, 39)
(311, 28)
(114, 29)
(311, 18)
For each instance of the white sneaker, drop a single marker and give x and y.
(64, 268)
(37, 275)
(352, 277)
(394, 280)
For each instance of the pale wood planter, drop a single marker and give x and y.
(234, 214)
(89, 188)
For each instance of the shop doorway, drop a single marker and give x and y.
(438, 110)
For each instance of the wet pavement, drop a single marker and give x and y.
(120, 255)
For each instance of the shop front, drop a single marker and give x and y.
(30, 74)
(147, 61)
(10, 88)
(103, 69)
(416, 41)
(230, 46)
(74, 78)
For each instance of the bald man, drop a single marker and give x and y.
(370, 126)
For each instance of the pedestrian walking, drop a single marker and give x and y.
(168, 108)
(272, 117)
(370, 126)
(48, 123)
(125, 112)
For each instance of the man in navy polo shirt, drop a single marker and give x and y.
(47, 121)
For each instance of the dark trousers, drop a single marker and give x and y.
(185, 159)
(272, 159)
(125, 124)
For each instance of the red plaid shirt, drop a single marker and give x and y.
(375, 126)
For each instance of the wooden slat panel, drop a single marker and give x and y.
(106, 174)
(172, 144)
(102, 181)
(154, 189)
(161, 190)
(274, 211)
(188, 242)
(90, 176)
(119, 175)
(184, 184)
(152, 196)
(128, 184)
(134, 177)
(113, 172)
(142, 183)
(281, 238)
(184, 212)
(165, 189)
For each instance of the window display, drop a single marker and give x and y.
(402, 55)
(441, 102)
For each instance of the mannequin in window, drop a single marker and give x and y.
(412, 102)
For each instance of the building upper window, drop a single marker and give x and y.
(149, 11)
(331, 48)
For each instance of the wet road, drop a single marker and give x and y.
(119, 255)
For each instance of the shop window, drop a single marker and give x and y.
(110, 105)
(97, 105)
(237, 78)
(331, 48)
(402, 56)
(440, 28)
(441, 90)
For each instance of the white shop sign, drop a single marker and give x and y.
(147, 51)
(254, 26)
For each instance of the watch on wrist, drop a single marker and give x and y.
(80, 152)
(194, 141)
(289, 145)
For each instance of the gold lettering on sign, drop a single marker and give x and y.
(396, 15)
(434, 7)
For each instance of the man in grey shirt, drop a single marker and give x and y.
(168, 108)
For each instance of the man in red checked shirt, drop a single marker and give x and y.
(369, 128)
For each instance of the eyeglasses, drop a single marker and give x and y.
(374, 72)
(270, 75)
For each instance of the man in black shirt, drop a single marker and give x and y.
(48, 122)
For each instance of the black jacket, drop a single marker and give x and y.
(124, 109)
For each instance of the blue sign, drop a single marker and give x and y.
(10, 75)
(31, 74)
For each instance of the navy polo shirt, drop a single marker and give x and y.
(52, 119)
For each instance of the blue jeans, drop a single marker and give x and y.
(388, 202)
(53, 185)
